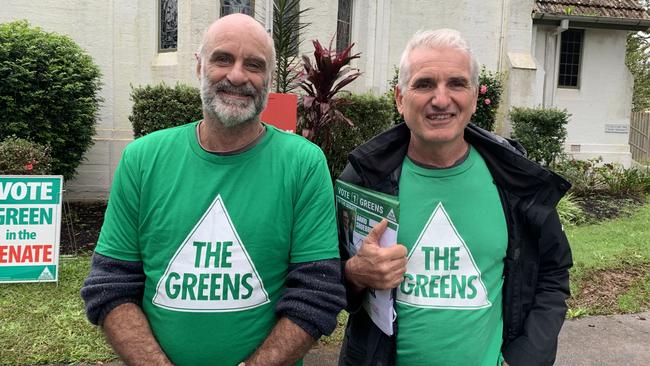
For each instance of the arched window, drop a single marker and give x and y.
(168, 26)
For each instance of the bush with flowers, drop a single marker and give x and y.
(490, 87)
(22, 157)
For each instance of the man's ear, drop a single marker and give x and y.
(198, 65)
(398, 98)
(270, 82)
(475, 99)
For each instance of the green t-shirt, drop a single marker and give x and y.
(449, 304)
(216, 235)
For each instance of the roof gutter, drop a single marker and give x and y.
(594, 21)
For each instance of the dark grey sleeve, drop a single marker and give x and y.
(314, 296)
(111, 282)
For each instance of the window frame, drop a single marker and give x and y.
(221, 9)
(160, 31)
(339, 21)
(580, 54)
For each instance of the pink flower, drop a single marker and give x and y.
(487, 101)
(29, 166)
(483, 90)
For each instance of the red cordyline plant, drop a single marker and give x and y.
(322, 81)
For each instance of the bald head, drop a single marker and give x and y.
(238, 26)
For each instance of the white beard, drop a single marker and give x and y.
(230, 111)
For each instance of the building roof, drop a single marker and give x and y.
(626, 13)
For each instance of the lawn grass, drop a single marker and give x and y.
(614, 246)
(43, 323)
(609, 243)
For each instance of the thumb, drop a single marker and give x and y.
(375, 234)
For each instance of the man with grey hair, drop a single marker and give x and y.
(219, 240)
(481, 274)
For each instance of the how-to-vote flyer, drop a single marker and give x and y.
(30, 228)
(358, 211)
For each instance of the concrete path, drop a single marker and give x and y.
(591, 341)
(605, 341)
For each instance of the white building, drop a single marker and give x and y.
(563, 53)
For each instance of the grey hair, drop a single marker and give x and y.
(439, 38)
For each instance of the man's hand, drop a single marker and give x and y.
(127, 330)
(374, 266)
(286, 344)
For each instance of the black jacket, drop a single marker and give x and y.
(537, 260)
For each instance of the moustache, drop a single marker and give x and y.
(225, 86)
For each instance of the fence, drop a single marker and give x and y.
(640, 136)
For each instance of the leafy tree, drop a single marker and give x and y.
(48, 93)
(637, 60)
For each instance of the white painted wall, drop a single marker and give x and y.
(385, 26)
(603, 99)
(322, 18)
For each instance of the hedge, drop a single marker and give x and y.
(541, 131)
(156, 107)
(370, 115)
(48, 93)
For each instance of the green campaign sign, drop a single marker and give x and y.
(30, 228)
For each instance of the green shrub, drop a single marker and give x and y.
(569, 211)
(21, 157)
(369, 114)
(624, 182)
(582, 174)
(156, 107)
(390, 94)
(541, 131)
(48, 93)
(591, 176)
(490, 88)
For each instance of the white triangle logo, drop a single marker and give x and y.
(391, 215)
(46, 275)
(211, 271)
(441, 272)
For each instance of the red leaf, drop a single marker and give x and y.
(307, 101)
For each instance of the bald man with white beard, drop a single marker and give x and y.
(219, 245)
